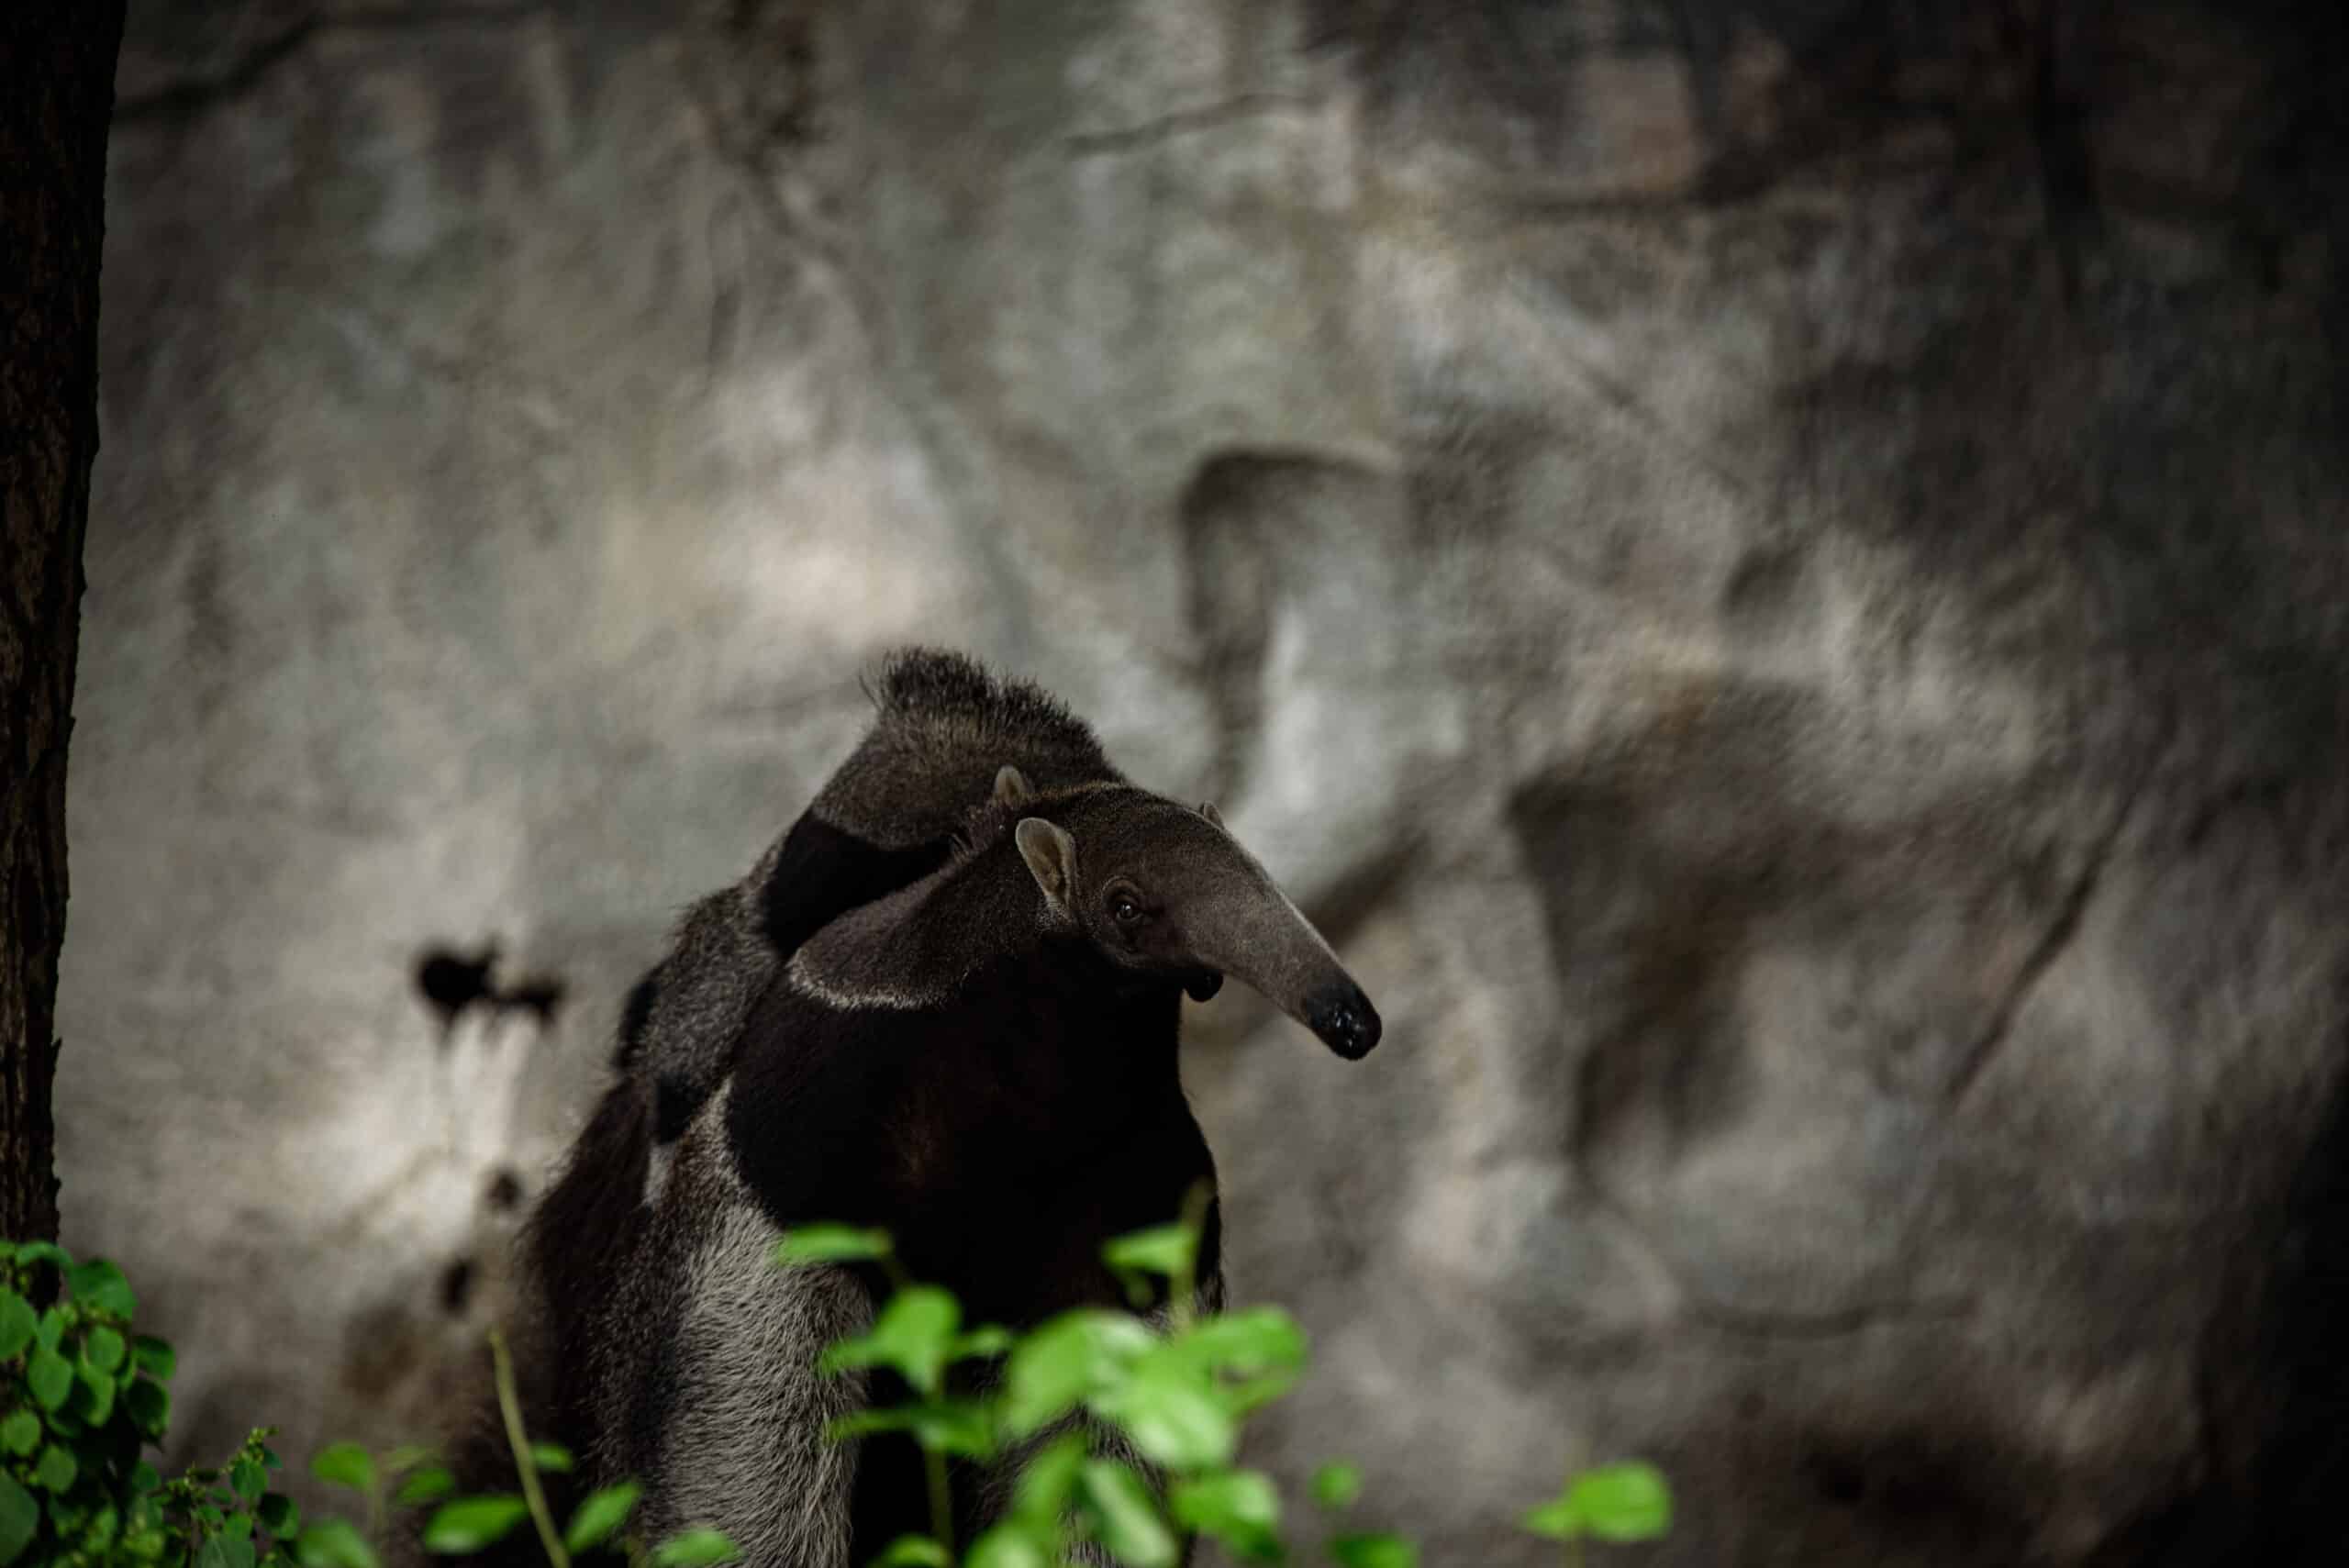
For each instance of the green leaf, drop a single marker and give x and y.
(1336, 1485)
(1167, 1251)
(20, 1433)
(1238, 1507)
(1127, 1515)
(345, 1465)
(213, 1553)
(1263, 1339)
(868, 1423)
(50, 1332)
(407, 1457)
(278, 1515)
(551, 1456)
(102, 1348)
(912, 1335)
(914, 1551)
(1013, 1544)
(696, 1549)
(247, 1479)
(143, 1477)
(31, 1252)
(1065, 1361)
(98, 1287)
(154, 1357)
(50, 1376)
(963, 1427)
(599, 1514)
(1172, 1412)
(989, 1340)
(429, 1484)
(334, 1543)
(1049, 1480)
(17, 1324)
(1374, 1551)
(809, 1245)
(56, 1469)
(96, 1395)
(1557, 1520)
(1242, 1397)
(150, 1404)
(1622, 1502)
(470, 1524)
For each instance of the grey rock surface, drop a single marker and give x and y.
(1775, 574)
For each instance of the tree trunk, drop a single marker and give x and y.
(57, 60)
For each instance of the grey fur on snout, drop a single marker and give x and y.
(1254, 934)
(1263, 941)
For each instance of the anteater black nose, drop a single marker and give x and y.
(1345, 1020)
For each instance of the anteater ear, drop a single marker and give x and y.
(1208, 810)
(1050, 855)
(1011, 786)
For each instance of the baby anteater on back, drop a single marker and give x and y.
(943, 729)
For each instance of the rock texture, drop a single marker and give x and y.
(1774, 573)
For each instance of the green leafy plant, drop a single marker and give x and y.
(82, 1397)
(229, 1516)
(1178, 1393)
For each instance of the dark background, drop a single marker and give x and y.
(1774, 575)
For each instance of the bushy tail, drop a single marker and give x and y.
(572, 1250)
(577, 1245)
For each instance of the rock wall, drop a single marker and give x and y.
(1774, 573)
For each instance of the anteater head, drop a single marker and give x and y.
(1162, 889)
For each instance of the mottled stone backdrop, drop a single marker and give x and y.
(1775, 572)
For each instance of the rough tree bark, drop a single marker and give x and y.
(57, 60)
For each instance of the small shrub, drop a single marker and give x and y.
(82, 1397)
(1179, 1395)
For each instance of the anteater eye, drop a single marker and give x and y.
(1124, 909)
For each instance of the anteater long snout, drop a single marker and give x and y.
(1344, 1020)
(1259, 939)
